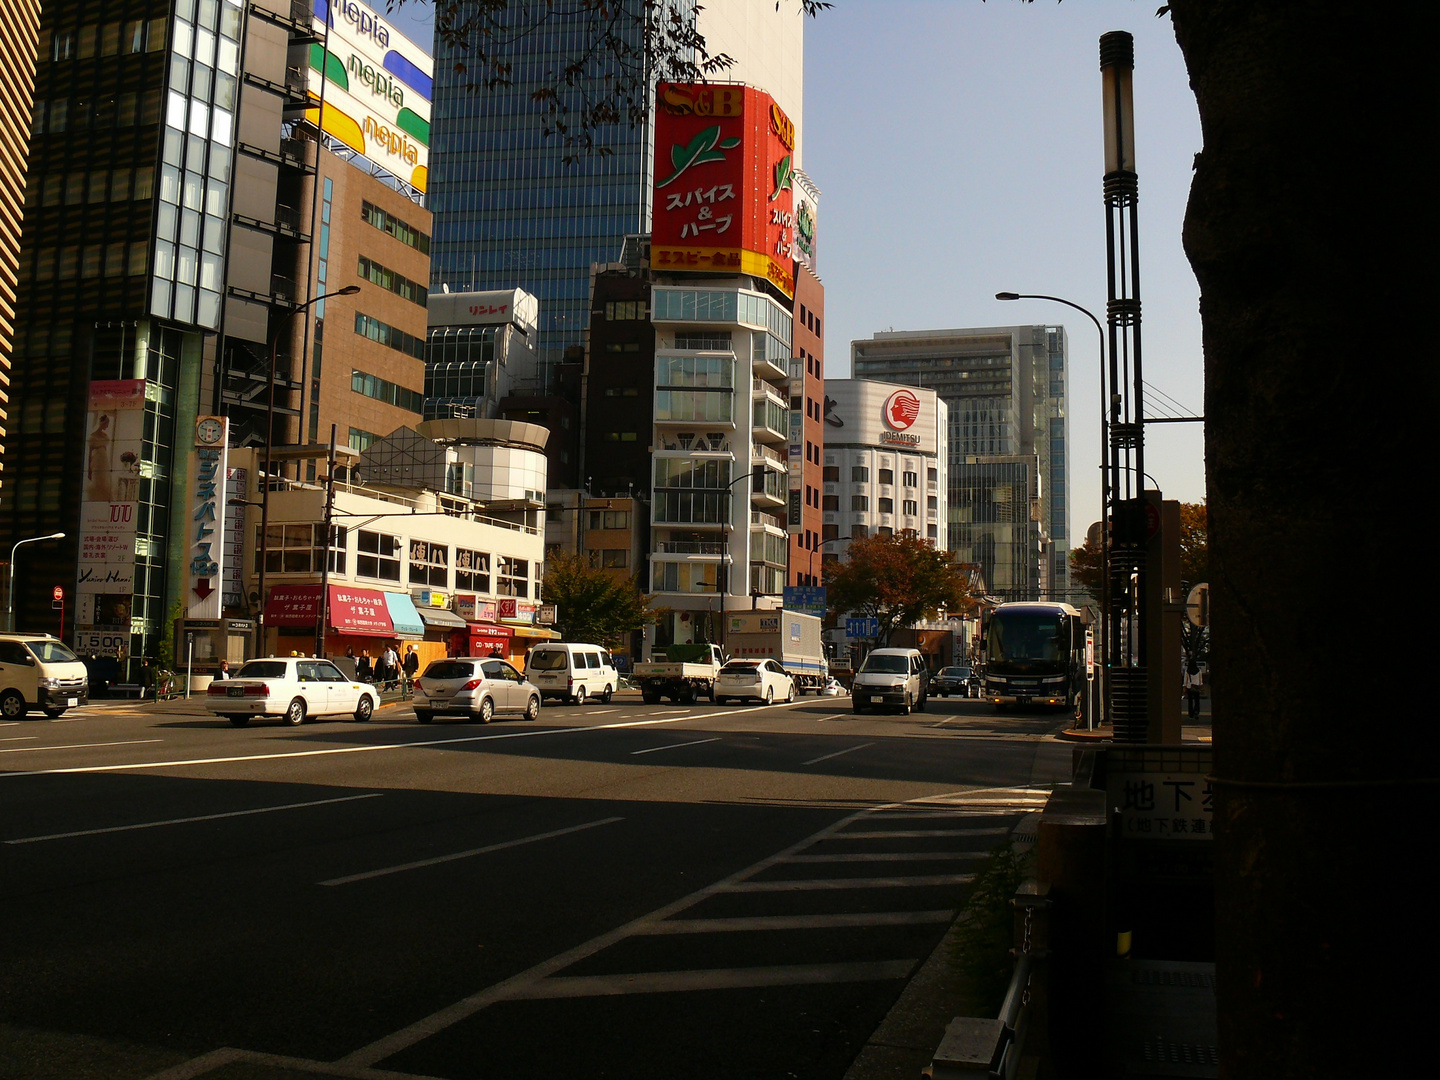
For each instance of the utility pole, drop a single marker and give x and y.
(326, 530)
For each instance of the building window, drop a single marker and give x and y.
(396, 283)
(401, 231)
(912, 479)
(379, 556)
(472, 570)
(859, 474)
(832, 474)
(911, 507)
(932, 502)
(887, 476)
(887, 506)
(615, 558)
(390, 336)
(372, 386)
(609, 519)
(512, 576)
(830, 502)
(295, 549)
(429, 564)
(625, 310)
(932, 475)
(859, 502)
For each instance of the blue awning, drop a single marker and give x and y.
(404, 616)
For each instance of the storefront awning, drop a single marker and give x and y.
(533, 632)
(488, 632)
(355, 610)
(440, 618)
(403, 615)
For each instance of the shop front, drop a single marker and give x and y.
(358, 620)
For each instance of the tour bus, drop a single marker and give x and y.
(1034, 655)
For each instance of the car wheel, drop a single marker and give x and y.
(650, 699)
(12, 705)
(54, 714)
(856, 705)
(238, 719)
(791, 695)
(608, 693)
(532, 709)
(579, 698)
(364, 708)
(487, 710)
(424, 716)
(769, 695)
(295, 714)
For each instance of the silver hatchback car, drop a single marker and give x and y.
(474, 687)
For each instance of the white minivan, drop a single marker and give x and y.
(38, 671)
(573, 672)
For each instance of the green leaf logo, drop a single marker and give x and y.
(706, 146)
(783, 175)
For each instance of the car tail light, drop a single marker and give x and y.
(472, 684)
(417, 686)
(217, 688)
(258, 690)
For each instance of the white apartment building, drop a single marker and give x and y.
(719, 485)
(885, 463)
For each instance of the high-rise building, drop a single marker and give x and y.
(18, 33)
(510, 210)
(1006, 392)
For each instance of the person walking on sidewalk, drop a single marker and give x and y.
(1193, 682)
(390, 665)
(412, 665)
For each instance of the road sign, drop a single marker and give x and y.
(862, 628)
(1089, 654)
(1197, 605)
(57, 593)
(809, 599)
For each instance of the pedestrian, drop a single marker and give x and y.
(224, 672)
(391, 661)
(362, 666)
(412, 665)
(1193, 682)
(495, 653)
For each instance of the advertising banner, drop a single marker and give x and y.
(105, 574)
(237, 489)
(377, 89)
(208, 538)
(724, 182)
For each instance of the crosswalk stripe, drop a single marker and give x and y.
(798, 922)
(909, 834)
(888, 856)
(908, 881)
(669, 982)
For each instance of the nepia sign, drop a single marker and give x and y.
(377, 87)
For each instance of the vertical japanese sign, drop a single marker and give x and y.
(207, 540)
(237, 487)
(724, 182)
(105, 574)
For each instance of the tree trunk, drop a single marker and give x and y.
(1315, 198)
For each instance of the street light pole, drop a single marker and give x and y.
(10, 598)
(1105, 494)
(349, 290)
(817, 547)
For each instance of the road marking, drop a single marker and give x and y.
(798, 922)
(911, 834)
(669, 982)
(829, 884)
(837, 716)
(890, 856)
(191, 820)
(418, 744)
(76, 746)
(19, 738)
(600, 712)
(943, 722)
(674, 746)
(837, 753)
(421, 863)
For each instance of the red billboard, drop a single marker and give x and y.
(724, 191)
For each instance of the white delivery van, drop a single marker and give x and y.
(572, 672)
(38, 671)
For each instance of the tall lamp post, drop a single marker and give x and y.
(1105, 493)
(817, 547)
(10, 598)
(348, 290)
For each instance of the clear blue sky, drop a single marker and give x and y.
(958, 149)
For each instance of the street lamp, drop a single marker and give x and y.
(1104, 474)
(10, 599)
(348, 290)
(817, 547)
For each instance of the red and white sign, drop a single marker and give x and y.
(352, 610)
(902, 409)
(724, 182)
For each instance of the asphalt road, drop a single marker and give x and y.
(613, 891)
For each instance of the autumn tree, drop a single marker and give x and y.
(896, 580)
(592, 604)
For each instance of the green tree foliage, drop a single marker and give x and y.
(895, 580)
(592, 605)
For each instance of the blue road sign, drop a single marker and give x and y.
(862, 628)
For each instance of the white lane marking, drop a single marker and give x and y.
(911, 834)
(674, 746)
(191, 820)
(420, 863)
(837, 753)
(76, 746)
(371, 748)
(669, 982)
(517, 985)
(837, 716)
(681, 712)
(943, 722)
(600, 712)
(798, 922)
(19, 738)
(830, 884)
(891, 856)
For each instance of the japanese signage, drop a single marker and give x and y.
(493, 307)
(881, 415)
(352, 609)
(807, 211)
(377, 89)
(1163, 805)
(205, 551)
(724, 182)
(237, 489)
(105, 574)
(807, 598)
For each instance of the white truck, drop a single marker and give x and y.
(791, 637)
(687, 673)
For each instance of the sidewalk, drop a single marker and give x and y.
(1190, 730)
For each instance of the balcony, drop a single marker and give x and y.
(760, 454)
(769, 368)
(773, 493)
(771, 423)
(771, 523)
(690, 547)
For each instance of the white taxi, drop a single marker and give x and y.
(293, 688)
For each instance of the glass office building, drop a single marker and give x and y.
(509, 210)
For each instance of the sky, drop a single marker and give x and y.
(958, 148)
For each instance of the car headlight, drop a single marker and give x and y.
(49, 684)
(1054, 679)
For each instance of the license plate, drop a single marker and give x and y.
(72, 701)
(235, 691)
(1027, 682)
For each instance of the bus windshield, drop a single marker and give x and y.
(1027, 637)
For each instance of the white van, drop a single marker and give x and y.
(572, 672)
(38, 671)
(896, 677)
